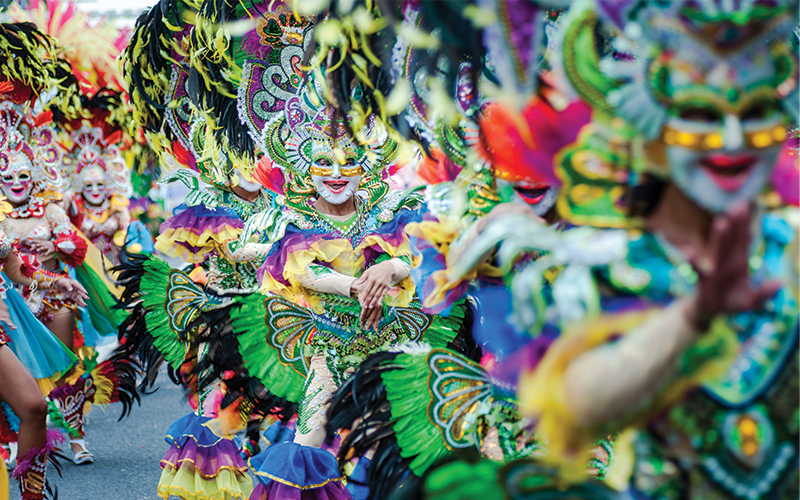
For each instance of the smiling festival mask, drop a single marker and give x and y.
(335, 170)
(725, 128)
(708, 88)
(17, 183)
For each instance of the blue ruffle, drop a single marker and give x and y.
(278, 433)
(295, 465)
(192, 426)
(356, 485)
(203, 212)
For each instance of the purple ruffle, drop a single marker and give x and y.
(292, 242)
(208, 460)
(198, 219)
(296, 240)
(277, 491)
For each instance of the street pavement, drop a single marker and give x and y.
(127, 453)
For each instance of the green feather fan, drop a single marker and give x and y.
(172, 300)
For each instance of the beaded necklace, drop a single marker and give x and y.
(32, 208)
(243, 208)
(99, 213)
(352, 230)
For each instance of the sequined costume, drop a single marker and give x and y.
(100, 191)
(167, 305)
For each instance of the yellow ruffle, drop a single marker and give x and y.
(186, 483)
(207, 241)
(343, 259)
(541, 392)
(442, 234)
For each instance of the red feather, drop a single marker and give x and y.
(523, 146)
(270, 176)
(183, 155)
(437, 168)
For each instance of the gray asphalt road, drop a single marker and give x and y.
(126, 453)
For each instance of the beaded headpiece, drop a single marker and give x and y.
(19, 134)
(89, 151)
(640, 63)
(294, 137)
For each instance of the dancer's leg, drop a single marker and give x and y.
(62, 325)
(19, 390)
(311, 420)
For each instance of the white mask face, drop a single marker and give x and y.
(335, 183)
(721, 151)
(17, 184)
(718, 178)
(94, 186)
(246, 183)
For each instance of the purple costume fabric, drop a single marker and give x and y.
(191, 441)
(199, 218)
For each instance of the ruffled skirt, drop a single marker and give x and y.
(200, 465)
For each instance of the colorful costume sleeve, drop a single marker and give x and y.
(433, 238)
(542, 393)
(290, 257)
(70, 246)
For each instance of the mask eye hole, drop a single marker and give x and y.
(100, 185)
(700, 114)
(8, 179)
(350, 162)
(760, 111)
(323, 162)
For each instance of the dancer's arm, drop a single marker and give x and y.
(18, 272)
(613, 380)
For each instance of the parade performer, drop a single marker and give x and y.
(28, 408)
(48, 242)
(203, 460)
(731, 437)
(101, 187)
(710, 145)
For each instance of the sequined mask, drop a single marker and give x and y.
(336, 173)
(94, 186)
(724, 132)
(17, 183)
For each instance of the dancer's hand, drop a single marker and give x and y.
(370, 318)
(5, 316)
(45, 248)
(373, 285)
(724, 284)
(74, 290)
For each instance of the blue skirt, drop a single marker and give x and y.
(37, 348)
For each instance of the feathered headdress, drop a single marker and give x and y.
(25, 53)
(243, 77)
